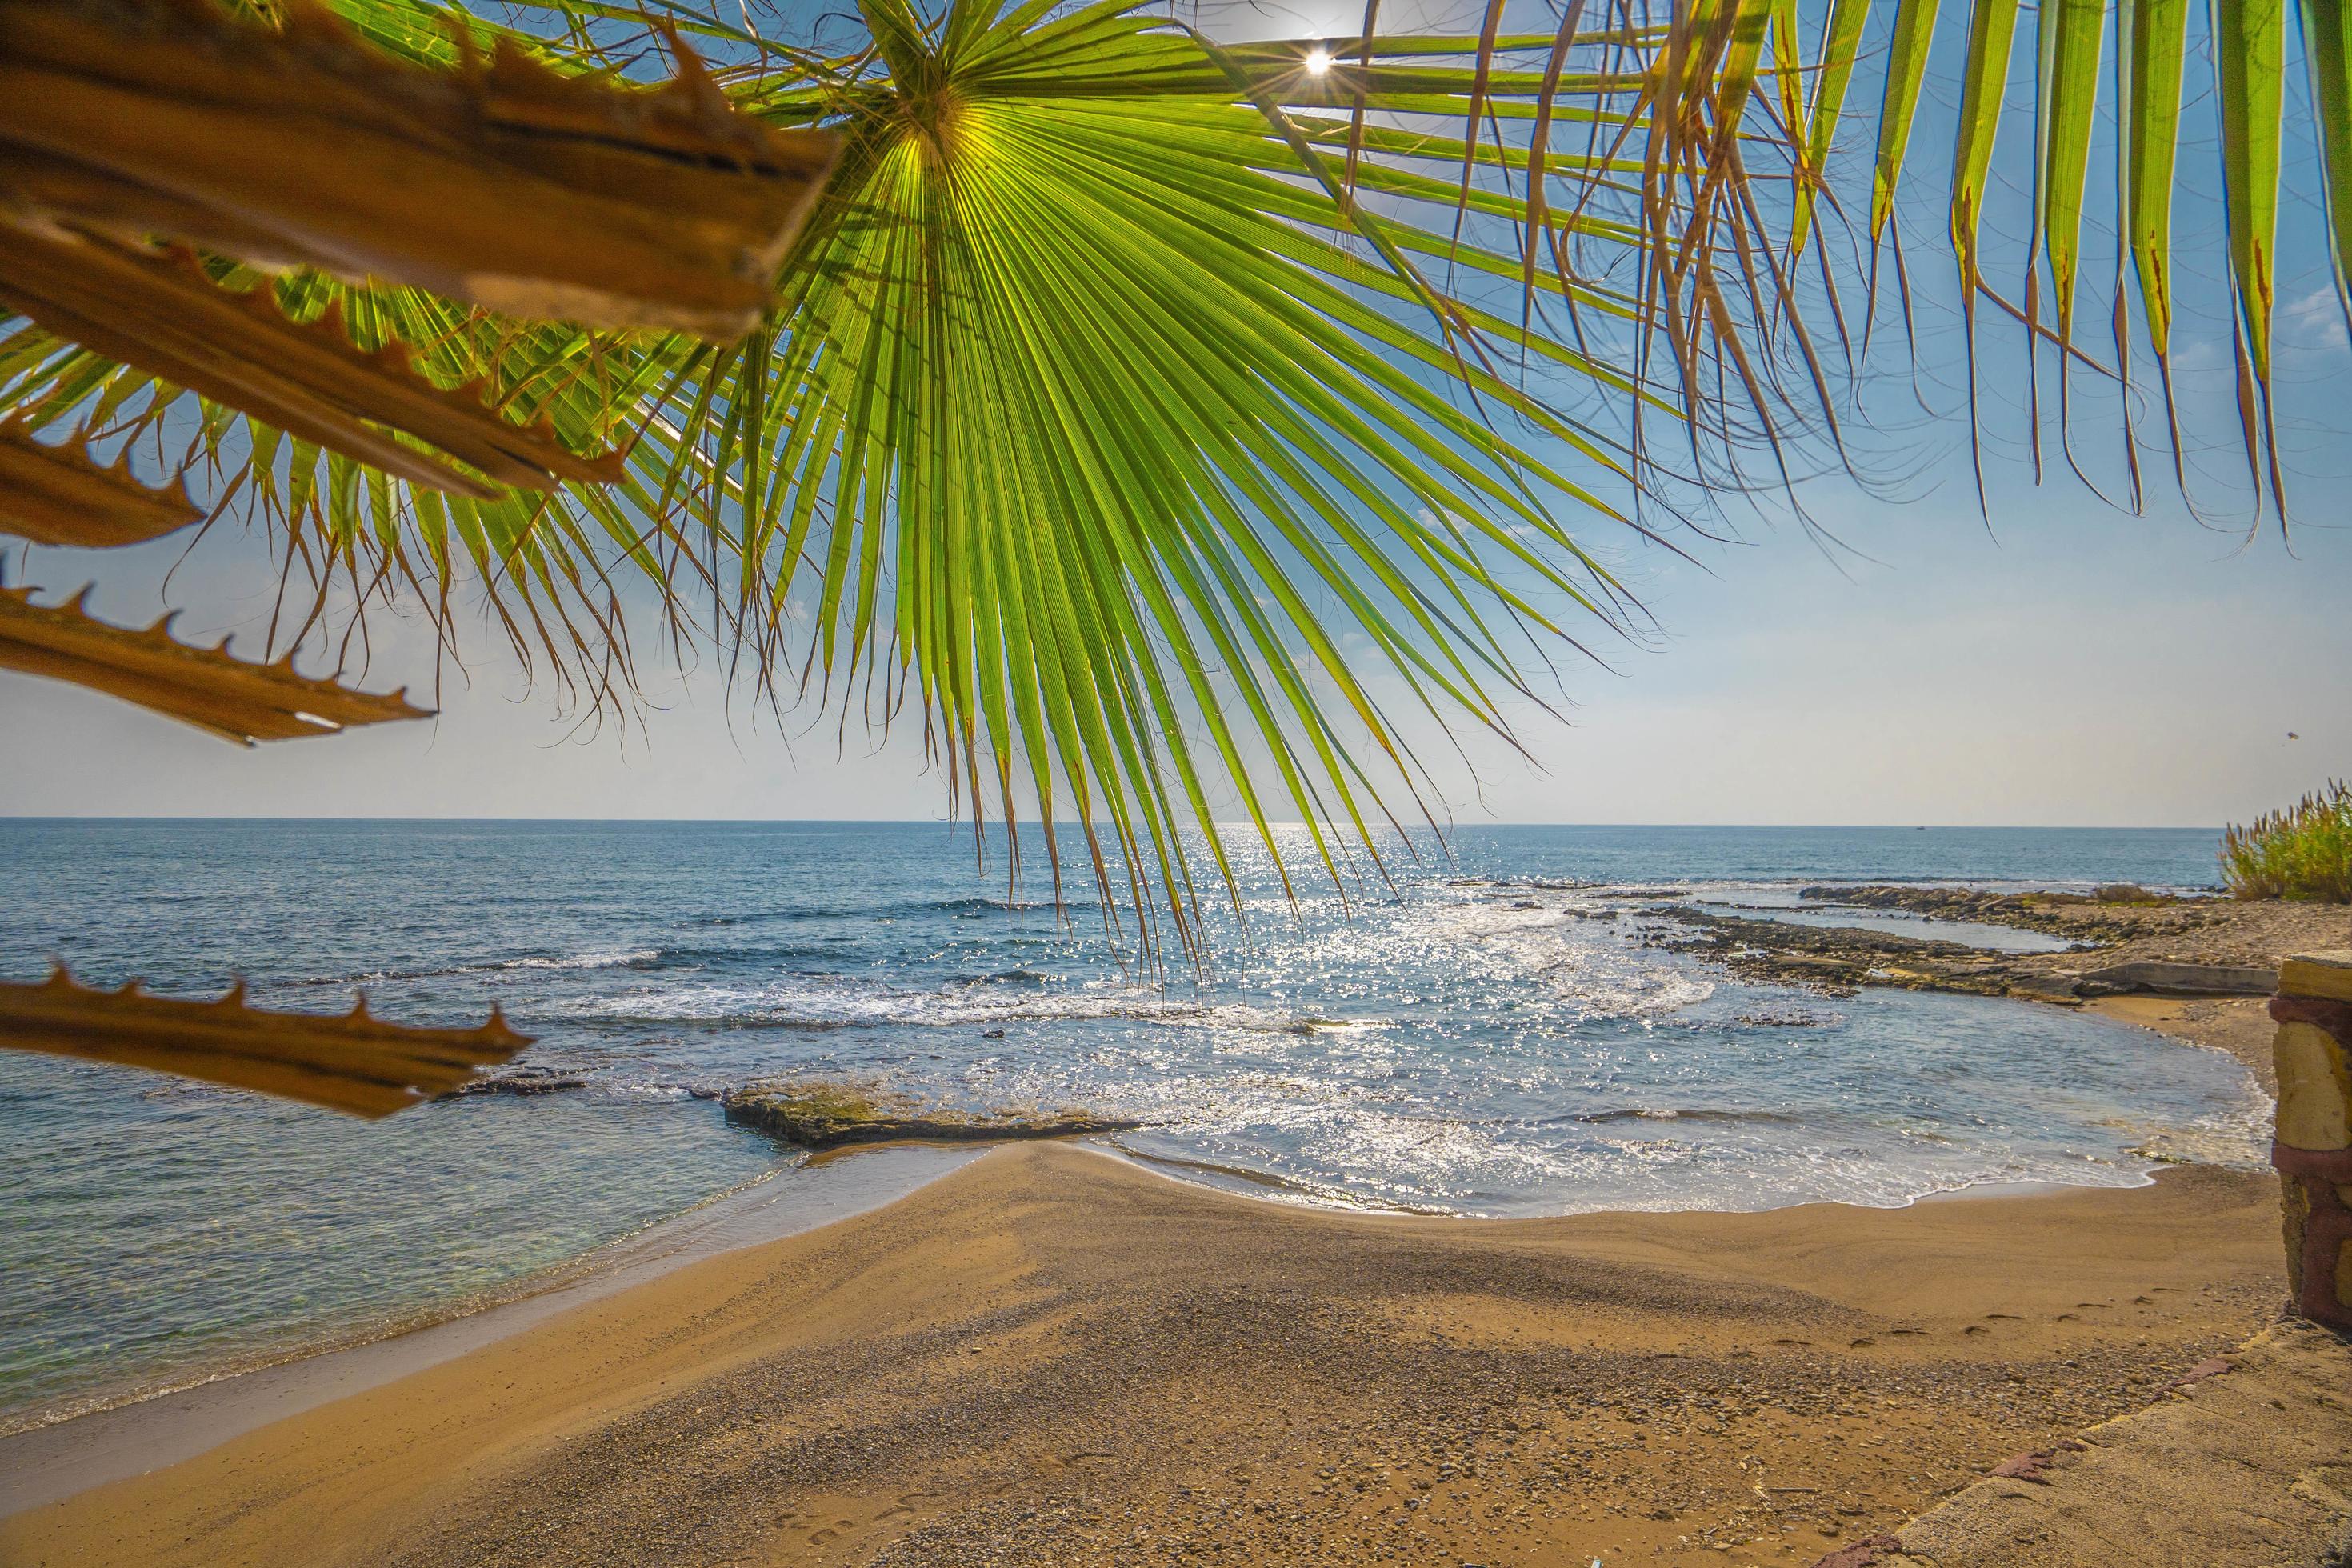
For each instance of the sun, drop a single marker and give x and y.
(1319, 62)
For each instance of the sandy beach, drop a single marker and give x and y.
(1051, 1356)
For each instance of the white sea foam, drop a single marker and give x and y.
(1579, 955)
(552, 962)
(832, 1003)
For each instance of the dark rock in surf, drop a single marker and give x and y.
(525, 1081)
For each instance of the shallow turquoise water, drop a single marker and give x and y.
(1491, 1038)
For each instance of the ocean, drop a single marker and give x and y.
(1485, 1036)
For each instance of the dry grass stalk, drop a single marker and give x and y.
(353, 1063)
(158, 310)
(204, 687)
(502, 182)
(60, 495)
(2302, 852)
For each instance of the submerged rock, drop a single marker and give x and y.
(1835, 960)
(522, 1080)
(829, 1115)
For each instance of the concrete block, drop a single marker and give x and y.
(2178, 980)
(2315, 1092)
(2327, 975)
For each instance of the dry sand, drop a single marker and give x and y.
(1052, 1357)
(2250, 1466)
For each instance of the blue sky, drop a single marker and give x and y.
(2071, 664)
(2084, 668)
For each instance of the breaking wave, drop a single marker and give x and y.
(1017, 995)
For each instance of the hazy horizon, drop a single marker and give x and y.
(1027, 825)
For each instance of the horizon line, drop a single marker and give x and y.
(994, 824)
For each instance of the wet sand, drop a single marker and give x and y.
(1052, 1356)
(2240, 1025)
(46, 1463)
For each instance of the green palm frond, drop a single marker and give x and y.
(2084, 80)
(1086, 389)
(1122, 390)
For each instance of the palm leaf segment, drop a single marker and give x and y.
(1118, 383)
(2126, 59)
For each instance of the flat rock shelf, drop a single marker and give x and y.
(829, 1115)
(2127, 941)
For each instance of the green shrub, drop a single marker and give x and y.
(2303, 852)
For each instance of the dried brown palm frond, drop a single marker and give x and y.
(501, 183)
(160, 311)
(60, 495)
(204, 687)
(354, 1063)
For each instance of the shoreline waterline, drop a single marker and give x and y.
(41, 1464)
(1239, 1181)
(140, 1428)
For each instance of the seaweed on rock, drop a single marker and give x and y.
(831, 1115)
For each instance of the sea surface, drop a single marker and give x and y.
(1486, 1034)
